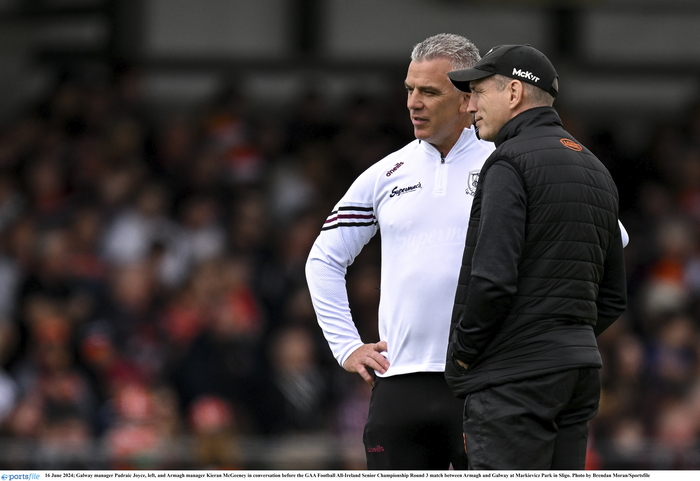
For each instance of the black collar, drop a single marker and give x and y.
(534, 117)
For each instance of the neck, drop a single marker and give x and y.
(445, 146)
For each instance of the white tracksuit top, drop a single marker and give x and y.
(421, 203)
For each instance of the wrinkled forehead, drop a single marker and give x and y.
(429, 73)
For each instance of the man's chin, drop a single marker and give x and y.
(421, 134)
(486, 136)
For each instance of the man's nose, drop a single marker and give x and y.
(413, 101)
(471, 106)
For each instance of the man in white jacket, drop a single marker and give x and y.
(420, 197)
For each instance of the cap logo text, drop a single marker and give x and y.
(525, 75)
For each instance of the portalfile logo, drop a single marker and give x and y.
(527, 75)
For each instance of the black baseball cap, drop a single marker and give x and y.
(521, 62)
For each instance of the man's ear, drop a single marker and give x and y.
(515, 94)
(464, 102)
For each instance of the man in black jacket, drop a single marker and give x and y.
(542, 274)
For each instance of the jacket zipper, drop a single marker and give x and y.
(440, 182)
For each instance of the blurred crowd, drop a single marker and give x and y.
(153, 307)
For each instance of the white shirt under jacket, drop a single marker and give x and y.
(421, 203)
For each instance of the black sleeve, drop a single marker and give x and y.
(497, 253)
(612, 290)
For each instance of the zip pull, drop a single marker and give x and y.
(440, 181)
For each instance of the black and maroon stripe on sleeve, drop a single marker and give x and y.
(350, 216)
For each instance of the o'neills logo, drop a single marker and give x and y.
(394, 169)
(570, 144)
(396, 191)
(527, 75)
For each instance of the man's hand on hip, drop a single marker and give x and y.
(368, 356)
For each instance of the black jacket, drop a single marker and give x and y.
(542, 272)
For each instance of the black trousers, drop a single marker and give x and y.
(414, 422)
(539, 423)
